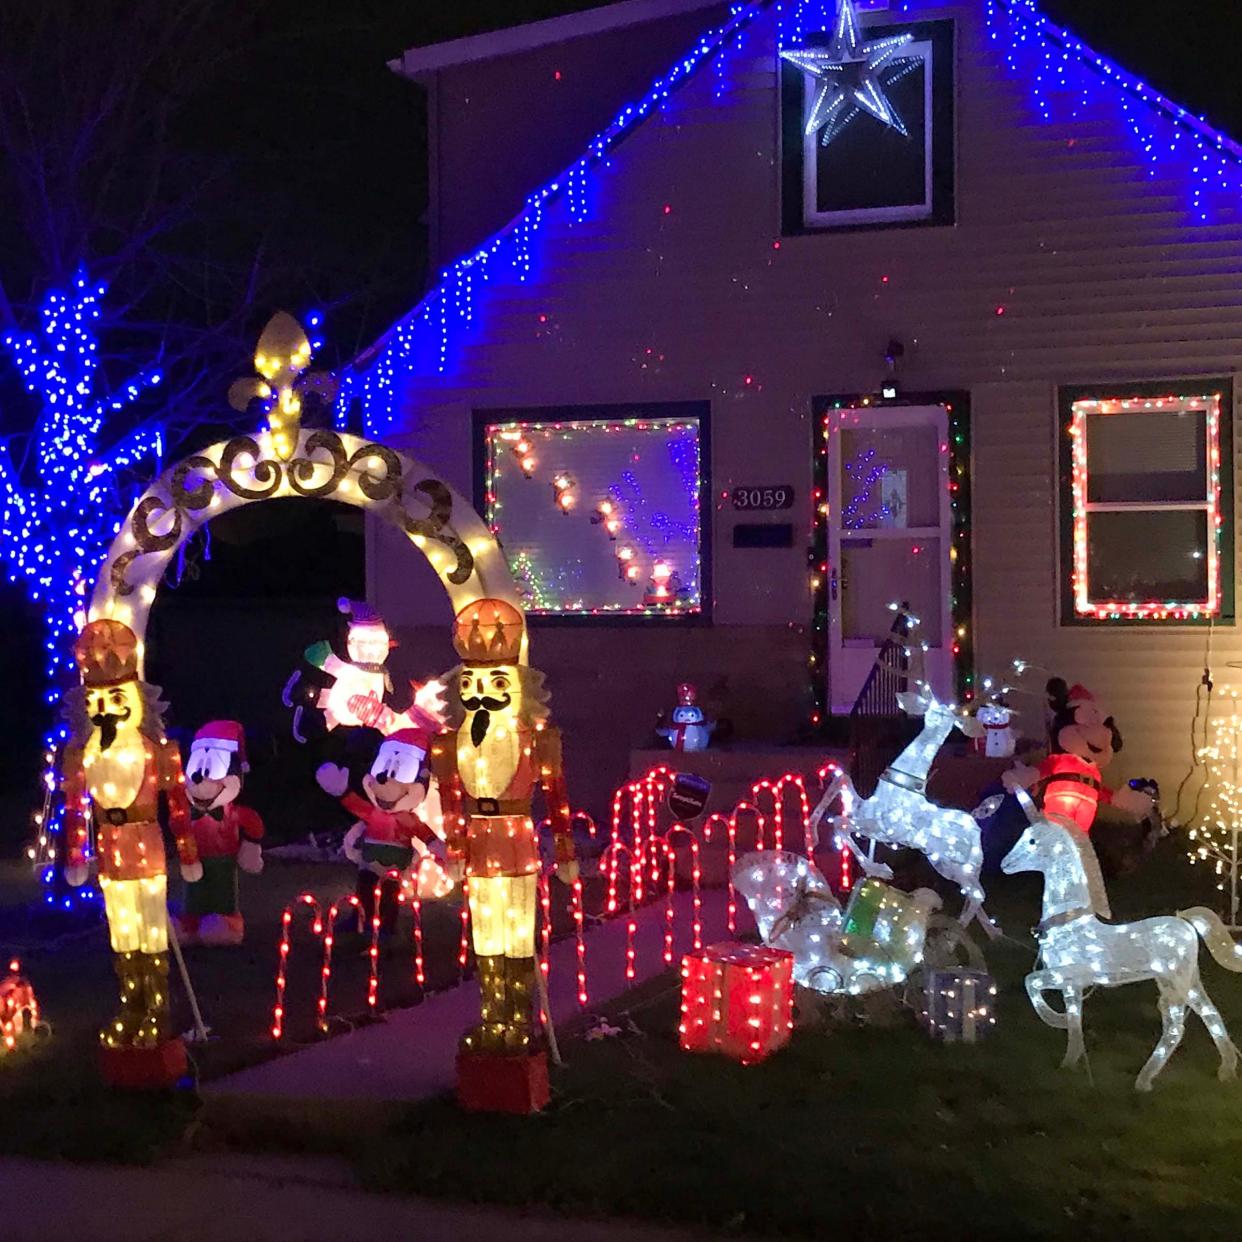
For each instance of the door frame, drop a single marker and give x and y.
(956, 405)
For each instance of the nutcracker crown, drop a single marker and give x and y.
(106, 653)
(488, 631)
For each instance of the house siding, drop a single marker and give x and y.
(502, 127)
(1099, 274)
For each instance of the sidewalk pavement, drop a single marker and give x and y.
(262, 1199)
(412, 1054)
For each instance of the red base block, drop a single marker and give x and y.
(494, 1083)
(143, 1069)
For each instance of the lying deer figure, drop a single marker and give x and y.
(899, 813)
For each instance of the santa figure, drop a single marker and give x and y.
(227, 835)
(117, 765)
(501, 749)
(1069, 784)
(689, 728)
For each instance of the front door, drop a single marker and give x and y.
(889, 536)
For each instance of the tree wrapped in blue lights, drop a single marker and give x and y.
(61, 494)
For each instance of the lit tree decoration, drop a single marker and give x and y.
(1214, 840)
(852, 76)
(60, 500)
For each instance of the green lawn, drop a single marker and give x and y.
(867, 1131)
(54, 1084)
(875, 1131)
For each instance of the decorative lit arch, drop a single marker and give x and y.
(324, 465)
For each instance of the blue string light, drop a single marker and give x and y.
(422, 341)
(61, 507)
(1067, 78)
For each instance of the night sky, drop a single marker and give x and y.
(311, 154)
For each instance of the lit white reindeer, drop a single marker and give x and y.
(899, 812)
(1078, 952)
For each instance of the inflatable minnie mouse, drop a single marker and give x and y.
(1068, 784)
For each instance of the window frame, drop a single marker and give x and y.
(941, 34)
(683, 411)
(1078, 609)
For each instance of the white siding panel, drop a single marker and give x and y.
(1101, 273)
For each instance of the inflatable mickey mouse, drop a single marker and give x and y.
(1068, 784)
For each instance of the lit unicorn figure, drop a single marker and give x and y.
(899, 813)
(795, 910)
(1079, 952)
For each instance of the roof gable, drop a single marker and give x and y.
(417, 62)
(1066, 79)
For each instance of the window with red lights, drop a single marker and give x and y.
(1146, 504)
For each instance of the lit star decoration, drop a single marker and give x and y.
(852, 76)
(62, 505)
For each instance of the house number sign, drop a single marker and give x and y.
(751, 499)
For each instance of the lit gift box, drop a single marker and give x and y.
(736, 999)
(19, 1011)
(959, 1004)
(886, 928)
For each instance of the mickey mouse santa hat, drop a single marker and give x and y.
(226, 735)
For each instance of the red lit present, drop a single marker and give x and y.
(736, 999)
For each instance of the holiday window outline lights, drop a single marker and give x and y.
(1211, 398)
(934, 43)
(956, 405)
(504, 450)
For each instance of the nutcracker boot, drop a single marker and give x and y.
(489, 1035)
(123, 1030)
(155, 1020)
(519, 1003)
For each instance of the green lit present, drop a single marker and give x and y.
(886, 926)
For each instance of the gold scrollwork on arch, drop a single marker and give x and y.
(302, 468)
(267, 472)
(379, 478)
(440, 511)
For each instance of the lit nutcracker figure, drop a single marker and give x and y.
(500, 748)
(117, 764)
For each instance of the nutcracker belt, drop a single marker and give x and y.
(118, 816)
(497, 806)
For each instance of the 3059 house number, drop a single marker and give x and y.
(755, 498)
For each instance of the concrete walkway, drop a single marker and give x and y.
(412, 1054)
(260, 1199)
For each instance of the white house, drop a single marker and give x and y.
(757, 317)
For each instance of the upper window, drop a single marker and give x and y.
(1145, 532)
(599, 510)
(867, 126)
